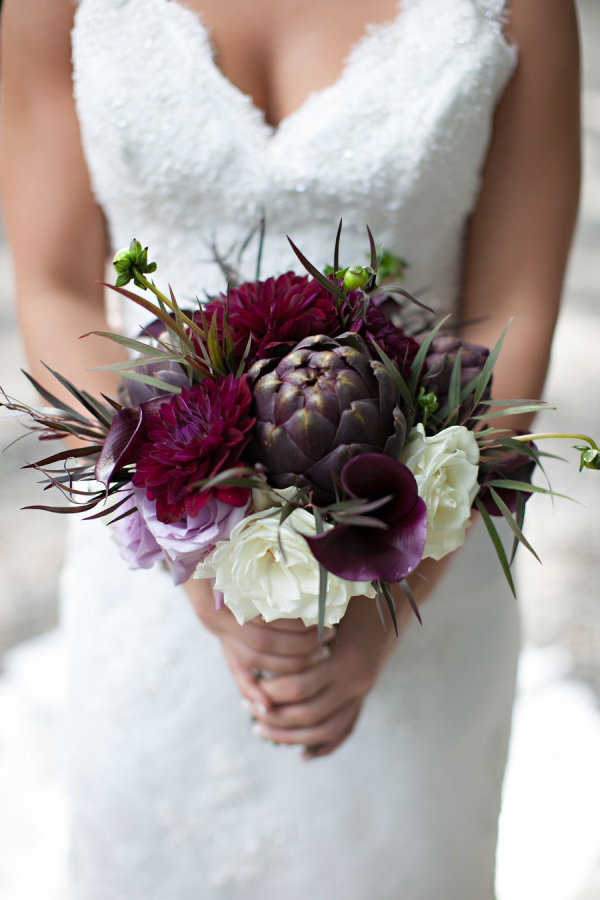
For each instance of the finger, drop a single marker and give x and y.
(297, 625)
(268, 639)
(314, 752)
(247, 684)
(327, 732)
(299, 687)
(271, 663)
(300, 715)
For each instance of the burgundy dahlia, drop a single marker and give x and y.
(278, 311)
(400, 347)
(191, 437)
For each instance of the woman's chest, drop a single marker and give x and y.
(280, 51)
(397, 138)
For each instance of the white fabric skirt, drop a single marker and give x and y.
(172, 797)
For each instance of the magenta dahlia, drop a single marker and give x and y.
(191, 437)
(278, 312)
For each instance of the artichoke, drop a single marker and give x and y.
(438, 366)
(322, 404)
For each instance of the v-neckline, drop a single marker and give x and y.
(369, 32)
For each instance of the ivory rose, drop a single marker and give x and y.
(256, 579)
(445, 467)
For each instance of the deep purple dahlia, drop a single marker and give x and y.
(273, 313)
(400, 347)
(191, 437)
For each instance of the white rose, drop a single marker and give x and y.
(445, 467)
(256, 579)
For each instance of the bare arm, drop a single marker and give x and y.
(54, 225)
(522, 228)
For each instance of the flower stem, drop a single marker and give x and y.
(541, 437)
(149, 286)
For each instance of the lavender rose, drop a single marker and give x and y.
(186, 542)
(137, 545)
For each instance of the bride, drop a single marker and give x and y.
(451, 128)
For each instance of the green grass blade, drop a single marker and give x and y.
(486, 372)
(526, 487)
(155, 382)
(323, 576)
(512, 523)
(513, 411)
(417, 366)
(405, 588)
(519, 519)
(450, 408)
(385, 590)
(394, 372)
(498, 546)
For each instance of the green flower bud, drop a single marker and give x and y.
(355, 277)
(590, 458)
(427, 401)
(131, 263)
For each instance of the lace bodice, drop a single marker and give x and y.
(179, 157)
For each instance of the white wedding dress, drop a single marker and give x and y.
(173, 798)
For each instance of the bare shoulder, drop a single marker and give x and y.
(544, 30)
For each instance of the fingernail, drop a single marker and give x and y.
(329, 633)
(309, 753)
(253, 708)
(320, 654)
(259, 731)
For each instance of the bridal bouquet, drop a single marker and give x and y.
(293, 440)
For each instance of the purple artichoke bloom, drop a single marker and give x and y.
(516, 467)
(322, 404)
(136, 543)
(363, 553)
(437, 370)
(185, 543)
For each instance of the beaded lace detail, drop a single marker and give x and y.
(181, 158)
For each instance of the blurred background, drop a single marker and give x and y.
(550, 828)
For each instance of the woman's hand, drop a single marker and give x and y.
(318, 707)
(284, 647)
(315, 691)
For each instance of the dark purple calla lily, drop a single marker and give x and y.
(125, 437)
(363, 553)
